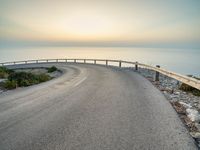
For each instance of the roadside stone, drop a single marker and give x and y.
(197, 125)
(174, 96)
(169, 90)
(177, 93)
(179, 108)
(198, 107)
(191, 125)
(193, 114)
(185, 105)
(195, 135)
(180, 100)
(3, 80)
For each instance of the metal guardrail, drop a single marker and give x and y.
(184, 79)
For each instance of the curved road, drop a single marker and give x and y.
(90, 107)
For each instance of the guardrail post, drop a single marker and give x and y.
(25, 62)
(120, 64)
(106, 62)
(36, 61)
(75, 60)
(136, 66)
(47, 60)
(65, 60)
(157, 74)
(95, 61)
(84, 61)
(56, 60)
(14, 63)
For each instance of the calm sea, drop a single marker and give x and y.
(184, 61)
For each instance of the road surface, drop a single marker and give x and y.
(90, 107)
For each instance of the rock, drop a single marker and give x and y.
(169, 90)
(191, 125)
(3, 80)
(195, 135)
(187, 120)
(177, 93)
(174, 96)
(165, 92)
(179, 108)
(198, 107)
(185, 105)
(174, 100)
(193, 114)
(197, 125)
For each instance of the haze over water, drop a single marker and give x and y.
(184, 61)
(164, 32)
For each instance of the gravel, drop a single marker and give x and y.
(189, 102)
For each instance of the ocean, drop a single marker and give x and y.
(183, 61)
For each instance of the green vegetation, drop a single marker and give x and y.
(190, 89)
(10, 84)
(52, 69)
(22, 79)
(27, 79)
(4, 72)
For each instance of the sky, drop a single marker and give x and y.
(101, 22)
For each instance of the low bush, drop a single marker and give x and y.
(3, 75)
(187, 88)
(24, 83)
(52, 69)
(10, 84)
(27, 79)
(43, 77)
(21, 79)
(4, 72)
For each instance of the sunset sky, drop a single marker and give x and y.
(125, 22)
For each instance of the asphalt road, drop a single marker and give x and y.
(91, 107)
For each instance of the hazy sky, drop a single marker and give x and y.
(167, 22)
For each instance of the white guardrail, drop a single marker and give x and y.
(184, 79)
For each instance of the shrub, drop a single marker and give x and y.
(52, 69)
(3, 69)
(43, 77)
(4, 72)
(24, 83)
(3, 75)
(22, 78)
(190, 89)
(10, 84)
(27, 79)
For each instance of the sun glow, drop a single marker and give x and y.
(100, 21)
(86, 25)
